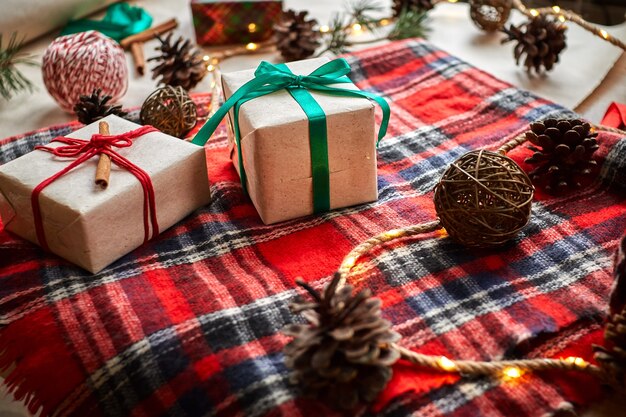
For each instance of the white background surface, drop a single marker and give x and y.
(584, 64)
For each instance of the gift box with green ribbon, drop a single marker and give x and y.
(303, 137)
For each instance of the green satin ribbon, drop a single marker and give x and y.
(121, 20)
(269, 78)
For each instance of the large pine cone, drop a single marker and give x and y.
(179, 64)
(342, 355)
(91, 108)
(563, 152)
(411, 5)
(541, 39)
(296, 37)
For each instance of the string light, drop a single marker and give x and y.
(604, 34)
(512, 372)
(357, 28)
(384, 22)
(349, 262)
(324, 29)
(556, 9)
(534, 12)
(446, 364)
(580, 362)
(210, 67)
(206, 58)
(452, 1)
(561, 18)
(251, 27)
(252, 46)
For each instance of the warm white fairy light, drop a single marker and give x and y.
(251, 27)
(393, 233)
(206, 58)
(511, 373)
(534, 12)
(252, 46)
(324, 29)
(349, 262)
(384, 22)
(452, 1)
(210, 67)
(556, 9)
(561, 18)
(446, 364)
(357, 28)
(604, 34)
(580, 362)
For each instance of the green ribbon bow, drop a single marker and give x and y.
(120, 21)
(270, 78)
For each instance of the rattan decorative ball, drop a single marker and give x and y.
(490, 15)
(483, 199)
(171, 110)
(75, 65)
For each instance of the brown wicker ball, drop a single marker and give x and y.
(483, 199)
(490, 15)
(170, 110)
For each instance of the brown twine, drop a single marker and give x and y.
(490, 15)
(169, 109)
(469, 367)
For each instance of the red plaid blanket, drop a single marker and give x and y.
(189, 324)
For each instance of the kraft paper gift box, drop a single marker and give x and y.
(91, 226)
(276, 151)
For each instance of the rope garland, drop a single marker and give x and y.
(505, 368)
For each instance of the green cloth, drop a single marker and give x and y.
(121, 20)
(270, 78)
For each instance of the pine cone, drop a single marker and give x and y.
(179, 63)
(94, 107)
(612, 357)
(342, 354)
(541, 39)
(295, 37)
(411, 5)
(564, 153)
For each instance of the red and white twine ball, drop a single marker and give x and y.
(76, 64)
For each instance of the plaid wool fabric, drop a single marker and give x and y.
(189, 324)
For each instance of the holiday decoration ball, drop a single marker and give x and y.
(75, 65)
(483, 199)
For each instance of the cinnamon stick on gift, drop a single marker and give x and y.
(103, 172)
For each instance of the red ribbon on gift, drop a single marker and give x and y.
(83, 150)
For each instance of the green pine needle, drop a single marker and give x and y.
(360, 10)
(11, 79)
(410, 24)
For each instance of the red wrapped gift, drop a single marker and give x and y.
(224, 22)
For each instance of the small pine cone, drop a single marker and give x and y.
(343, 354)
(179, 63)
(295, 36)
(411, 5)
(563, 152)
(91, 108)
(541, 39)
(612, 356)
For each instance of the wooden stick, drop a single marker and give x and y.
(148, 34)
(103, 172)
(136, 50)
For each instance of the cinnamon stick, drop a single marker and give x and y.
(103, 172)
(136, 50)
(150, 33)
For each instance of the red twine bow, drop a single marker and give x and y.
(83, 150)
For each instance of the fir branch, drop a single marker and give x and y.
(11, 79)
(409, 24)
(359, 11)
(337, 35)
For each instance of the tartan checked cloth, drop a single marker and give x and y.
(189, 324)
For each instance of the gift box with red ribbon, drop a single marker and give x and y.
(230, 22)
(49, 195)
